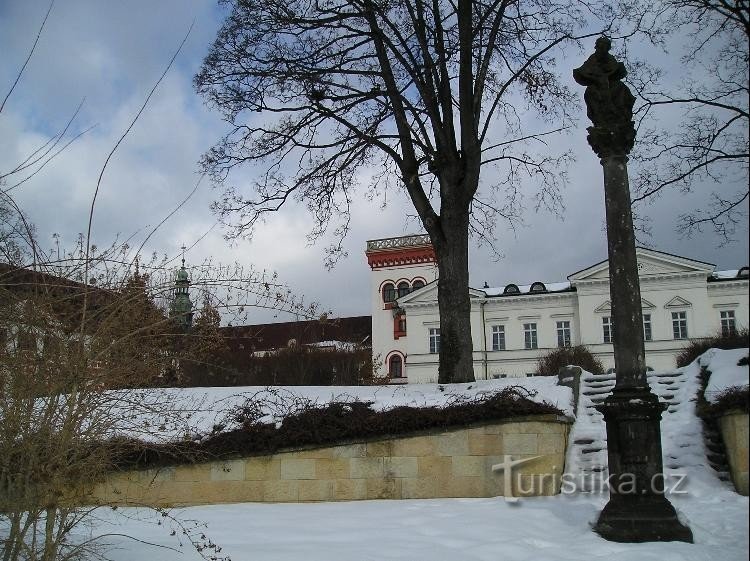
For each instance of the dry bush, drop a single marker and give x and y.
(273, 420)
(738, 339)
(550, 363)
(736, 398)
(297, 365)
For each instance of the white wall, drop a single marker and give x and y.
(383, 342)
(662, 283)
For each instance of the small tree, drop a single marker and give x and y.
(424, 95)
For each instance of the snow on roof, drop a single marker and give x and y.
(338, 345)
(526, 288)
(728, 274)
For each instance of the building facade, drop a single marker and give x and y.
(512, 326)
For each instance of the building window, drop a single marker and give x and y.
(538, 287)
(679, 325)
(607, 329)
(647, 335)
(498, 337)
(728, 325)
(403, 289)
(395, 367)
(511, 289)
(529, 336)
(389, 293)
(563, 334)
(399, 326)
(417, 284)
(434, 339)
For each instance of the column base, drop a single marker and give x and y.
(631, 519)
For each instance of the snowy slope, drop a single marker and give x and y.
(725, 373)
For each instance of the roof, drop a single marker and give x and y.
(526, 289)
(269, 336)
(647, 252)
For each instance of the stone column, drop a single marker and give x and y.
(638, 510)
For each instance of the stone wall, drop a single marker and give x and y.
(734, 432)
(454, 463)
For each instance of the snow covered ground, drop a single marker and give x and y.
(539, 529)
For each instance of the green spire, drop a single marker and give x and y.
(181, 308)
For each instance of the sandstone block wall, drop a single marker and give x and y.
(455, 463)
(734, 432)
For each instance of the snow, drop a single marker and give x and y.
(540, 529)
(204, 408)
(725, 373)
(728, 274)
(524, 289)
(338, 345)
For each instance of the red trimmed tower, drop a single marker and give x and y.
(399, 266)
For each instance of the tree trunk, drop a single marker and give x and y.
(452, 253)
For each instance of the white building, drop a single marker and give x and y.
(513, 325)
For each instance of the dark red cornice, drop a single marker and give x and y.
(400, 256)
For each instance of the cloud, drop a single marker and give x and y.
(112, 53)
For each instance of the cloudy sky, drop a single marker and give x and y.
(111, 53)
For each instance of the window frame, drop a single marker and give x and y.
(530, 336)
(728, 323)
(607, 329)
(498, 337)
(399, 358)
(383, 292)
(680, 325)
(564, 329)
(648, 334)
(433, 334)
(402, 289)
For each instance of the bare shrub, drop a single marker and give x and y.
(737, 339)
(276, 419)
(550, 363)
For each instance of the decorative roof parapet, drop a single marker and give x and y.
(395, 252)
(413, 240)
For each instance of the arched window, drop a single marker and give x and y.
(511, 289)
(417, 284)
(538, 287)
(403, 289)
(389, 292)
(395, 367)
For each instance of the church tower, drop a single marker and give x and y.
(399, 266)
(181, 308)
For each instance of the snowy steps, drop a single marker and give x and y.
(587, 455)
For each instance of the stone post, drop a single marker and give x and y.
(637, 510)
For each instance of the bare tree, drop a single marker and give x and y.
(708, 148)
(426, 93)
(81, 333)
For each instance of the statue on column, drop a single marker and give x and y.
(609, 103)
